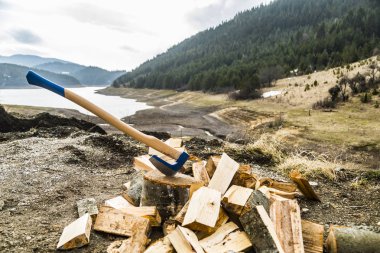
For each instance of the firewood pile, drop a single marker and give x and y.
(218, 206)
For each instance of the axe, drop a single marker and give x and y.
(163, 166)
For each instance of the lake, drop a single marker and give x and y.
(117, 106)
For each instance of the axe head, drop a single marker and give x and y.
(167, 168)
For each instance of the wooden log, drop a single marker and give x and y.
(162, 245)
(260, 230)
(312, 234)
(226, 238)
(286, 217)
(149, 212)
(76, 234)
(168, 194)
(117, 222)
(352, 240)
(203, 211)
(244, 177)
(87, 206)
(136, 243)
(211, 164)
(224, 173)
(303, 185)
(235, 199)
(184, 240)
(200, 172)
(118, 202)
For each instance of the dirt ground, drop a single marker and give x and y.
(45, 170)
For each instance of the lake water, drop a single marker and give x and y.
(117, 106)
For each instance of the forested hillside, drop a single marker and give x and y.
(13, 76)
(266, 43)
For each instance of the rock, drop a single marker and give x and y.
(305, 210)
(314, 184)
(2, 204)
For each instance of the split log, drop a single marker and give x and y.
(117, 222)
(143, 163)
(244, 177)
(133, 193)
(162, 245)
(286, 217)
(76, 234)
(224, 173)
(203, 211)
(283, 186)
(149, 212)
(352, 240)
(181, 214)
(260, 230)
(211, 165)
(235, 199)
(312, 234)
(200, 172)
(118, 203)
(257, 198)
(184, 241)
(87, 206)
(168, 194)
(303, 185)
(226, 238)
(136, 243)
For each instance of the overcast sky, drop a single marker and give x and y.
(113, 34)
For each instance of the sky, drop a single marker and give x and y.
(112, 34)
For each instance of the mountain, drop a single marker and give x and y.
(265, 43)
(87, 75)
(27, 60)
(13, 76)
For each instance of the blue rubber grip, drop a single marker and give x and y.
(38, 80)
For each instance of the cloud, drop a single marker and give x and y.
(25, 36)
(3, 5)
(92, 14)
(129, 49)
(220, 10)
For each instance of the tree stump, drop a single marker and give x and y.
(168, 194)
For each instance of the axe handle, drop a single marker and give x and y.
(151, 141)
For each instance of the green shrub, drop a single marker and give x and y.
(366, 98)
(307, 87)
(377, 104)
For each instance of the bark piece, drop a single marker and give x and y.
(352, 240)
(235, 199)
(303, 185)
(118, 203)
(76, 234)
(169, 226)
(203, 211)
(87, 206)
(133, 193)
(117, 222)
(184, 240)
(260, 230)
(162, 245)
(286, 217)
(168, 194)
(224, 173)
(226, 238)
(200, 172)
(257, 198)
(312, 234)
(211, 164)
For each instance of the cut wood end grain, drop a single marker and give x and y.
(76, 234)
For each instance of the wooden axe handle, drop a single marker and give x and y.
(151, 141)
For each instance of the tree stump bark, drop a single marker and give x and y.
(168, 194)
